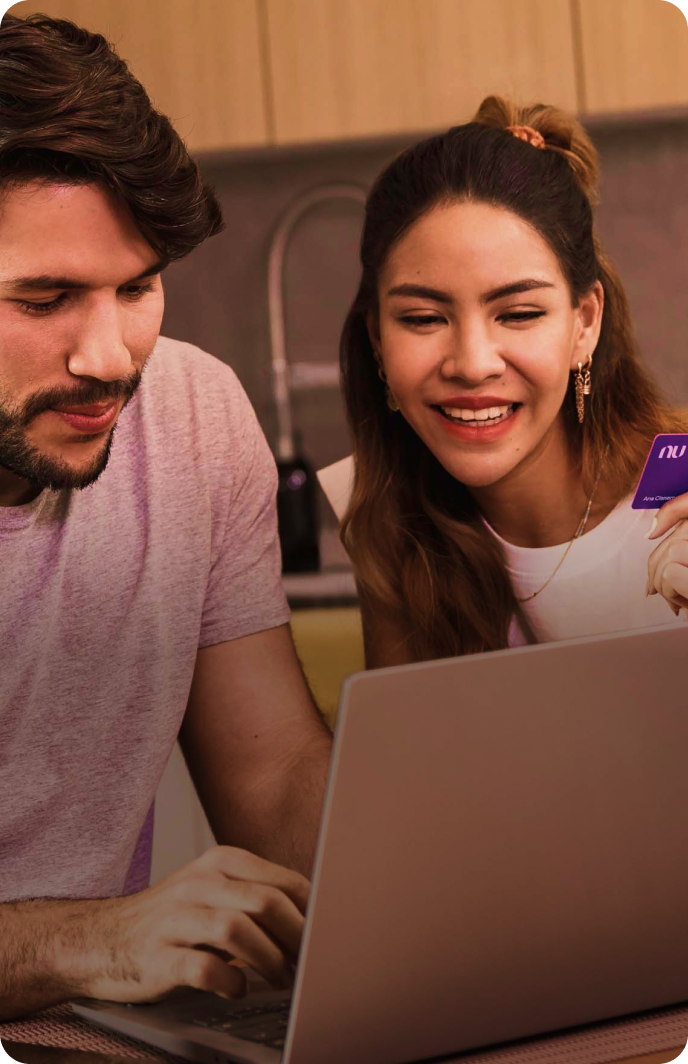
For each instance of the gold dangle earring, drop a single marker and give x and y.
(389, 398)
(583, 387)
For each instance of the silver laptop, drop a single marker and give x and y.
(502, 854)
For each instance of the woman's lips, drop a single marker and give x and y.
(89, 419)
(476, 402)
(477, 431)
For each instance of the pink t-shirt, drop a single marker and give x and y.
(107, 594)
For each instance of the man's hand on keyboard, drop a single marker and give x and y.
(228, 904)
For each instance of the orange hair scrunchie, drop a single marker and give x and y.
(528, 134)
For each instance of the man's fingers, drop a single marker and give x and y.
(242, 865)
(239, 934)
(226, 904)
(274, 912)
(268, 907)
(204, 971)
(234, 933)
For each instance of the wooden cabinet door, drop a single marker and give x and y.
(199, 60)
(634, 55)
(347, 68)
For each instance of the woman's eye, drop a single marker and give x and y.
(521, 315)
(421, 319)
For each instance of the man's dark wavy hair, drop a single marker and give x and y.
(71, 111)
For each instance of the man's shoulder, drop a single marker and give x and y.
(175, 362)
(184, 385)
(191, 397)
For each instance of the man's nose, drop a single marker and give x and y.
(99, 350)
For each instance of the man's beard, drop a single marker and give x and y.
(26, 461)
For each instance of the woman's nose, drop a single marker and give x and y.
(473, 357)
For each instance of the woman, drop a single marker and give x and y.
(500, 416)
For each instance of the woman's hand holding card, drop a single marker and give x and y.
(668, 564)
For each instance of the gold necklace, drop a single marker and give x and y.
(579, 532)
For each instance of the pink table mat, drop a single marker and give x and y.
(61, 1028)
(601, 1043)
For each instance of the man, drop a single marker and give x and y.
(139, 567)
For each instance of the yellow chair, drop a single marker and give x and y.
(329, 643)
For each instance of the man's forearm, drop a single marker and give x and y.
(279, 816)
(299, 811)
(42, 949)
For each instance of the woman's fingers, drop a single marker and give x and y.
(673, 548)
(668, 569)
(667, 516)
(672, 580)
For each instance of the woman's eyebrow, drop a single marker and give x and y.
(529, 284)
(421, 291)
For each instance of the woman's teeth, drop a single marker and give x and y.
(492, 414)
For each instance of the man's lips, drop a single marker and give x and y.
(91, 419)
(92, 410)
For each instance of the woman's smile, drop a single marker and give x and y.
(481, 425)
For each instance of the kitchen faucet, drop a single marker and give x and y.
(300, 375)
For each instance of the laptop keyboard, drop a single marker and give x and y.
(266, 1023)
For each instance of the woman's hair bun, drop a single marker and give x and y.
(561, 132)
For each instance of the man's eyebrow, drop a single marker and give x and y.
(47, 282)
(528, 284)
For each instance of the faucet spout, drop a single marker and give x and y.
(278, 346)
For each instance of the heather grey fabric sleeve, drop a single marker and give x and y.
(244, 592)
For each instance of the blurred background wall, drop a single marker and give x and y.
(275, 97)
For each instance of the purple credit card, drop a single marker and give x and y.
(665, 474)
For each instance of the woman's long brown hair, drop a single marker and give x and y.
(421, 552)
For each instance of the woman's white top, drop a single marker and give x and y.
(600, 587)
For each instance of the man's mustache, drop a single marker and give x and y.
(93, 391)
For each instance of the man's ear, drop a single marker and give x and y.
(373, 327)
(588, 325)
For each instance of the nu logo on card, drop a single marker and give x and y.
(662, 480)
